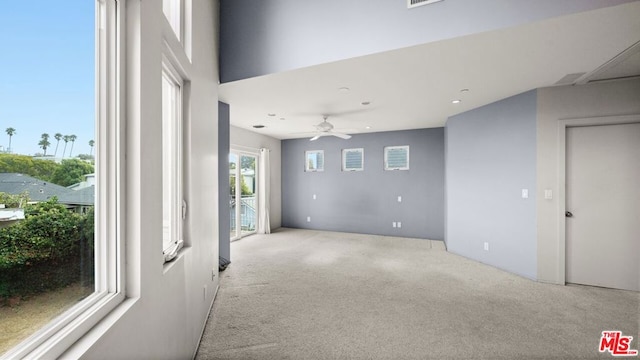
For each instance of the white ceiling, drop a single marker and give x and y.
(413, 87)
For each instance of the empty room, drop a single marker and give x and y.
(282, 179)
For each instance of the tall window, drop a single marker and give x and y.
(59, 242)
(172, 203)
(175, 104)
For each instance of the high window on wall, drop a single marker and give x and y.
(173, 10)
(176, 69)
(353, 159)
(173, 207)
(60, 256)
(396, 157)
(314, 160)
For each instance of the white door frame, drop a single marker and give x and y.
(563, 124)
(240, 151)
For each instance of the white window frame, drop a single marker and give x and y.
(176, 66)
(306, 160)
(55, 338)
(386, 157)
(172, 161)
(344, 159)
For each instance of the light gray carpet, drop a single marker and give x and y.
(300, 294)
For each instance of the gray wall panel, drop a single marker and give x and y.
(366, 201)
(261, 37)
(223, 181)
(491, 157)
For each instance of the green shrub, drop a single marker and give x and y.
(51, 248)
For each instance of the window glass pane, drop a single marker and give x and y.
(396, 157)
(172, 11)
(352, 159)
(47, 176)
(314, 160)
(171, 163)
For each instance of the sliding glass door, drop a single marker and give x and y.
(243, 199)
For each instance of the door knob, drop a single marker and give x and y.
(568, 214)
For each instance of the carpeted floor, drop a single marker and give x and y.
(300, 294)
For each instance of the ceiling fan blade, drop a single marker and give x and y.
(315, 137)
(341, 136)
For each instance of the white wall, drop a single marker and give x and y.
(248, 139)
(557, 103)
(166, 306)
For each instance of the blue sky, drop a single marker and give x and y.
(47, 73)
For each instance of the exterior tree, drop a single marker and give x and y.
(71, 171)
(58, 137)
(10, 131)
(72, 138)
(44, 143)
(66, 139)
(91, 143)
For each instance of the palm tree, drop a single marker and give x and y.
(72, 138)
(10, 131)
(66, 139)
(58, 137)
(91, 143)
(44, 143)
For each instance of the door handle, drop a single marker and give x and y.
(568, 214)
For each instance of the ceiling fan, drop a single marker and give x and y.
(325, 128)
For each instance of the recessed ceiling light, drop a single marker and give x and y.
(367, 127)
(344, 90)
(457, 101)
(258, 126)
(365, 103)
(271, 114)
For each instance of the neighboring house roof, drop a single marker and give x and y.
(39, 191)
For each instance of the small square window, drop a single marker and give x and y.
(353, 159)
(314, 160)
(396, 157)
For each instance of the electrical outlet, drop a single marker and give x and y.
(314, 196)
(394, 224)
(399, 198)
(486, 246)
(308, 218)
(525, 193)
(399, 224)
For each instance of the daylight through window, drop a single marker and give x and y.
(314, 160)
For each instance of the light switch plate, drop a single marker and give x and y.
(525, 193)
(548, 194)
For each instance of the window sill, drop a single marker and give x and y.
(178, 259)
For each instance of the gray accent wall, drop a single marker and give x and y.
(224, 228)
(261, 37)
(491, 158)
(367, 201)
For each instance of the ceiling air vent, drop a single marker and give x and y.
(416, 3)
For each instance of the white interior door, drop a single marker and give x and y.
(603, 206)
